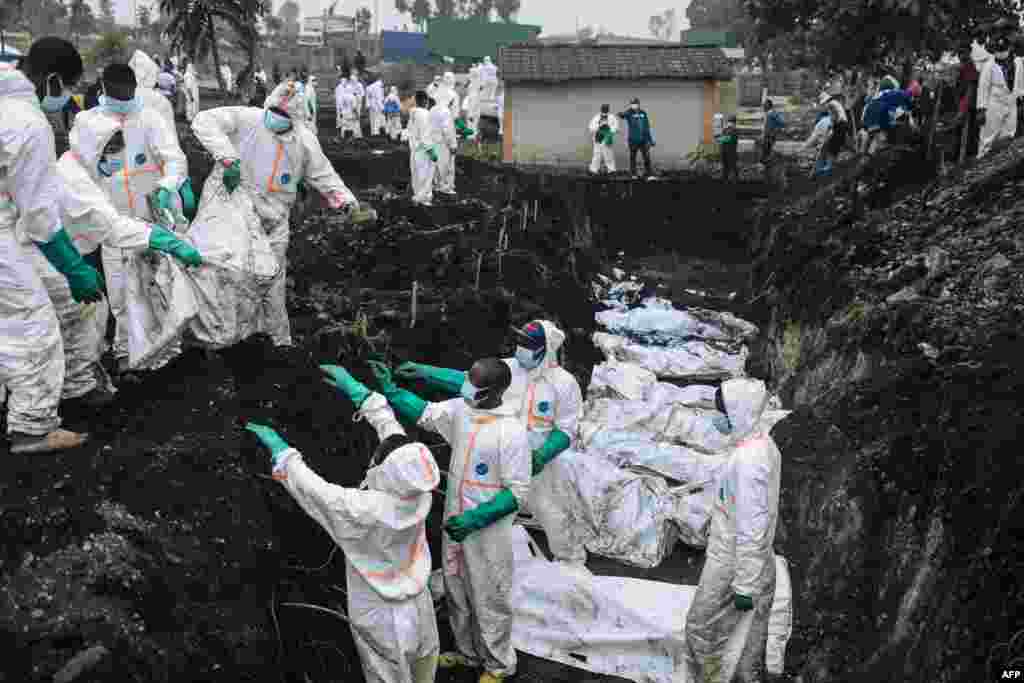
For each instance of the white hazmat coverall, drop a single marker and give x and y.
(146, 74)
(421, 168)
(382, 531)
(272, 166)
(471, 102)
(488, 80)
(489, 452)
(740, 560)
(442, 130)
(347, 116)
(549, 397)
(375, 106)
(996, 98)
(91, 220)
(603, 153)
(191, 88)
(31, 351)
(152, 159)
(358, 92)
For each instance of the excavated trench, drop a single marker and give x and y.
(165, 542)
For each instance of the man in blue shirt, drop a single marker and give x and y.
(640, 138)
(773, 124)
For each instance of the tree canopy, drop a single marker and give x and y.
(832, 34)
(422, 10)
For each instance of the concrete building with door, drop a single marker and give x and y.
(552, 91)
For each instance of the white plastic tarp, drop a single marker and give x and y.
(627, 516)
(612, 379)
(699, 360)
(654, 418)
(632, 628)
(160, 305)
(658, 322)
(238, 264)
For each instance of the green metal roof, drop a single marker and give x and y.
(700, 38)
(469, 39)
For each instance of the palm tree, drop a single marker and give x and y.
(193, 26)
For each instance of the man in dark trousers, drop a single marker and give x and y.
(967, 89)
(640, 138)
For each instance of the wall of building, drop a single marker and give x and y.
(548, 123)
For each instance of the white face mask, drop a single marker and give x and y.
(527, 358)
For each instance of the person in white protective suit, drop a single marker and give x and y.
(501, 113)
(603, 128)
(444, 141)
(312, 102)
(434, 86)
(92, 220)
(997, 107)
(737, 584)
(191, 89)
(489, 474)
(549, 403)
(381, 528)
(271, 150)
(393, 114)
(471, 102)
(151, 161)
(146, 73)
(375, 107)
(449, 96)
(345, 106)
(225, 73)
(359, 93)
(422, 155)
(488, 80)
(31, 350)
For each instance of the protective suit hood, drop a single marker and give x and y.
(90, 134)
(409, 470)
(288, 97)
(553, 339)
(146, 70)
(745, 402)
(979, 55)
(15, 84)
(449, 79)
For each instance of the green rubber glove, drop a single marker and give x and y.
(482, 516)
(83, 279)
(743, 603)
(407, 406)
(432, 154)
(269, 438)
(232, 175)
(188, 200)
(556, 442)
(463, 130)
(339, 378)
(162, 239)
(439, 379)
(164, 199)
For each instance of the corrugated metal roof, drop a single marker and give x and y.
(557, 63)
(469, 39)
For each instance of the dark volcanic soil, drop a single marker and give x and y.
(165, 541)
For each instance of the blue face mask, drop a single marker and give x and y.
(471, 394)
(54, 104)
(528, 359)
(276, 123)
(132, 106)
(109, 167)
(722, 423)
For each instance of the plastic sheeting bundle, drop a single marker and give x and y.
(160, 305)
(657, 322)
(238, 268)
(698, 360)
(632, 628)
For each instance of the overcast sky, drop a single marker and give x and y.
(556, 16)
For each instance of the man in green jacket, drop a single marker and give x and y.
(640, 138)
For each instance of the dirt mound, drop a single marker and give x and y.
(897, 339)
